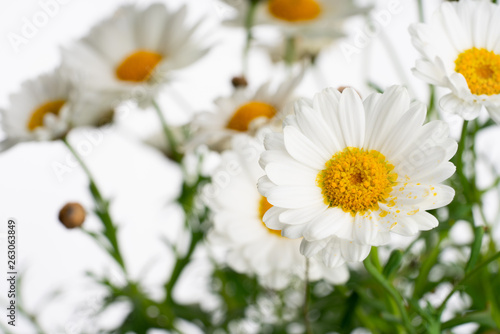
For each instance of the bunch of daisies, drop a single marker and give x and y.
(284, 192)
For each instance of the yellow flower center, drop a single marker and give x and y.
(481, 69)
(245, 114)
(356, 180)
(138, 66)
(294, 10)
(264, 205)
(51, 107)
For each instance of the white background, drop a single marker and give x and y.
(140, 181)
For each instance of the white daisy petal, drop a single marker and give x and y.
(293, 231)
(311, 248)
(352, 118)
(271, 218)
(365, 229)
(402, 130)
(354, 252)
(384, 115)
(264, 184)
(332, 254)
(315, 128)
(290, 174)
(425, 221)
(303, 149)
(406, 227)
(302, 215)
(293, 197)
(326, 224)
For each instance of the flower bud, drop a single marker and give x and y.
(72, 215)
(239, 82)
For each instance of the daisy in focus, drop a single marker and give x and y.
(244, 111)
(346, 173)
(134, 52)
(238, 208)
(47, 107)
(461, 52)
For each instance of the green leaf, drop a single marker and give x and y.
(475, 248)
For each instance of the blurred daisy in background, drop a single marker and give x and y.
(306, 26)
(47, 107)
(461, 51)
(134, 52)
(251, 247)
(244, 111)
(344, 174)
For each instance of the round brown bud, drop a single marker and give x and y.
(239, 82)
(72, 215)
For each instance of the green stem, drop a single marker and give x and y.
(307, 323)
(421, 17)
(180, 264)
(102, 209)
(169, 136)
(372, 270)
(460, 161)
(290, 51)
(248, 27)
(375, 259)
(432, 103)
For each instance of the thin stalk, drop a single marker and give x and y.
(421, 16)
(372, 270)
(249, 37)
(169, 136)
(290, 55)
(460, 162)
(180, 264)
(466, 277)
(102, 209)
(432, 103)
(307, 323)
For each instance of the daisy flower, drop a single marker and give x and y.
(47, 107)
(244, 111)
(346, 173)
(238, 208)
(461, 52)
(298, 17)
(133, 52)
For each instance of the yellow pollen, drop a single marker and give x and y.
(51, 107)
(138, 66)
(481, 69)
(264, 205)
(244, 115)
(294, 10)
(356, 180)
